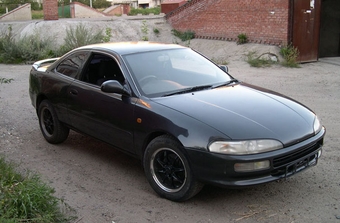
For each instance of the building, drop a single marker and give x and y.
(313, 26)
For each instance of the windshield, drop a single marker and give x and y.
(167, 72)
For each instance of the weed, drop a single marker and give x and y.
(290, 54)
(6, 37)
(5, 80)
(27, 48)
(80, 36)
(258, 61)
(145, 30)
(108, 35)
(26, 198)
(156, 31)
(184, 36)
(35, 47)
(242, 38)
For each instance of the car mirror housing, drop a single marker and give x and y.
(113, 86)
(224, 68)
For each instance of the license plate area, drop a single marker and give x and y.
(302, 164)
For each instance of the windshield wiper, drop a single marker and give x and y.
(188, 90)
(225, 83)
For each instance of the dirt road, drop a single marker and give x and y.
(105, 185)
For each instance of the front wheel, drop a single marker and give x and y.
(52, 129)
(168, 171)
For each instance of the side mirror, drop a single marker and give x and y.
(224, 68)
(113, 86)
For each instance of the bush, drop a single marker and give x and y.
(99, 4)
(34, 47)
(80, 36)
(36, 6)
(146, 11)
(26, 198)
(290, 54)
(242, 38)
(27, 48)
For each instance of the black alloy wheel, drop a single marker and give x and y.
(168, 171)
(52, 129)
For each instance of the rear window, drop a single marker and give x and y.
(71, 65)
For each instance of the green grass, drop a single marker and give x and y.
(37, 14)
(146, 11)
(25, 198)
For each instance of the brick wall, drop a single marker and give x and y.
(264, 21)
(50, 8)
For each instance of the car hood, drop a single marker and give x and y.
(244, 111)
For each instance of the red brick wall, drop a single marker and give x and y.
(50, 8)
(264, 21)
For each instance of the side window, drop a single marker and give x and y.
(71, 65)
(101, 68)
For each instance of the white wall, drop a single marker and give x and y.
(86, 12)
(21, 13)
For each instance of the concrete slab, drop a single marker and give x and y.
(330, 60)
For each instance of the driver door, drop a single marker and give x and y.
(106, 116)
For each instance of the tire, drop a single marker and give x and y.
(168, 170)
(52, 129)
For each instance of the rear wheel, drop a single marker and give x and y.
(52, 129)
(168, 171)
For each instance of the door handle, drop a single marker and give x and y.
(73, 92)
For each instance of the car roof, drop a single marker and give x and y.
(131, 47)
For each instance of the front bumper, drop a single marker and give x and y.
(218, 169)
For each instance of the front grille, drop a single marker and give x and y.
(296, 155)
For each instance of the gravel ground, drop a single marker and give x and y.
(104, 185)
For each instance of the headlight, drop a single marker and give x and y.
(245, 147)
(317, 125)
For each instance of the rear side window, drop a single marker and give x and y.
(71, 65)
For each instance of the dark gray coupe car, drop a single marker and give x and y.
(184, 117)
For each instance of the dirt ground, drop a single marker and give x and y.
(104, 185)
